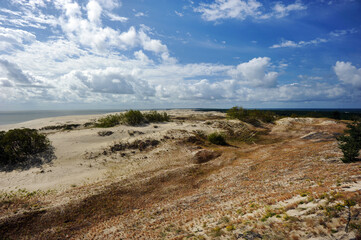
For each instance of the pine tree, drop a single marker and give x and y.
(350, 142)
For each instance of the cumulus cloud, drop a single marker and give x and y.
(348, 74)
(151, 44)
(94, 11)
(110, 80)
(254, 73)
(241, 9)
(90, 32)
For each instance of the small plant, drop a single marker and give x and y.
(350, 142)
(230, 228)
(217, 138)
(105, 133)
(217, 232)
(17, 145)
(268, 214)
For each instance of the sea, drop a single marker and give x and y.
(11, 117)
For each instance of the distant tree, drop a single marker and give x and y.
(336, 115)
(350, 141)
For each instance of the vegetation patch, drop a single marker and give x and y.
(217, 138)
(203, 156)
(154, 116)
(105, 133)
(251, 116)
(61, 127)
(137, 144)
(350, 142)
(132, 118)
(17, 145)
(109, 120)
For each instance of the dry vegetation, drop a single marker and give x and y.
(274, 181)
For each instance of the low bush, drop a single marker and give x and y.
(154, 116)
(217, 138)
(61, 127)
(109, 120)
(133, 117)
(18, 144)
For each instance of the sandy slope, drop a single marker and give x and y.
(74, 149)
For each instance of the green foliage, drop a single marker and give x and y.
(18, 144)
(350, 142)
(217, 138)
(131, 117)
(109, 120)
(251, 116)
(154, 116)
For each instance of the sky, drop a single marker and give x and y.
(156, 54)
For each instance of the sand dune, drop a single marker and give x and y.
(165, 181)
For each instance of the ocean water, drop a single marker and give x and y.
(10, 117)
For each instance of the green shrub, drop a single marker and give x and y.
(18, 144)
(217, 138)
(133, 117)
(154, 116)
(350, 142)
(109, 120)
(252, 116)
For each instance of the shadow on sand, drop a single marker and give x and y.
(36, 160)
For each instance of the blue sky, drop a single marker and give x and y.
(88, 54)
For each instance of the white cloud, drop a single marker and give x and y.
(241, 9)
(289, 43)
(139, 14)
(14, 38)
(151, 44)
(114, 17)
(180, 14)
(27, 17)
(280, 10)
(89, 32)
(109, 4)
(254, 73)
(12, 72)
(223, 9)
(94, 11)
(348, 74)
(334, 34)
